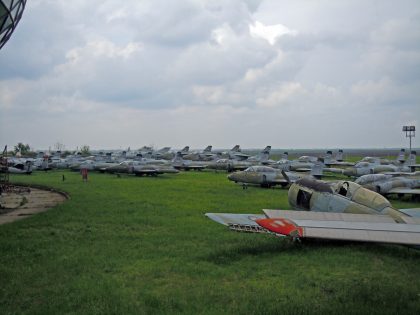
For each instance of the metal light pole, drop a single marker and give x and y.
(410, 132)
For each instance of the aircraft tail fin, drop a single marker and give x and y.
(411, 158)
(264, 157)
(327, 158)
(317, 170)
(267, 149)
(401, 156)
(178, 157)
(339, 156)
(185, 149)
(208, 149)
(285, 156)
(236, 148)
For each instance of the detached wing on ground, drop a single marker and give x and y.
(325, 225)
(342, 226)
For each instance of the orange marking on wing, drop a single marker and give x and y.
(281, 226)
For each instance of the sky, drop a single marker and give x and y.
(291, 74)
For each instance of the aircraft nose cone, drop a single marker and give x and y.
(231, 177)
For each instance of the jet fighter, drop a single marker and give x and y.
(386, 184)
(266, 176)
(375, 166)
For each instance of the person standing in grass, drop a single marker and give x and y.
(84, 172)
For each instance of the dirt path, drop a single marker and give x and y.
(19, 206)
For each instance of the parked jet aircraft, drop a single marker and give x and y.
(228, 165)
(266, 176)
(400, 159)
(376, 167)
(385, 184)
(338, 161)
(139, 169)
(339, 210)
(235, 154)
(163, 153)
(180, 164)
(204, 155)
(19, 168)
(262, 157)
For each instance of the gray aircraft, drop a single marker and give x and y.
(19, 168)
(180, 164)
(235, 154)
(386, 184)
(262, 158)
(340, 210)
(228, 165)
(140, 169)
(266, 176)
(328, 160)
(204, 155)
(376, 167)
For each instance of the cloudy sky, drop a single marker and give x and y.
(291, 74)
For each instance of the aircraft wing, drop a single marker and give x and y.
(282, 181)
(239, 222)
(145, 171)
(381, 232)
(404, 190)
(303, 169)
(413, 212)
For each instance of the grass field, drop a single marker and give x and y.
(143, 246)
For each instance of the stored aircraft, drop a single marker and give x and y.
(340, 210)
(376, 166)
(266, 176)
(386, 184)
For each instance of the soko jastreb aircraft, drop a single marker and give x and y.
(266, 176)
(376, 166)
(340, 210)
(392, 183)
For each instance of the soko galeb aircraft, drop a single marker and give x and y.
(339, 210)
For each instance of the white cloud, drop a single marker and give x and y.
(270, 32)
(281, 95)
(201, 71)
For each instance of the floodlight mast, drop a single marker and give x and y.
(410, 132)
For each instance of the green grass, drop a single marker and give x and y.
(143, 246)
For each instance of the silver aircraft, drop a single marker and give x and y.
(375, 166)
(386, 184)
(266, 176)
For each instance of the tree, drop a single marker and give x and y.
(85, 150)
(22, 148)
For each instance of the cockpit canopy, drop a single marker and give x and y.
(306, 158)
(260, 169)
